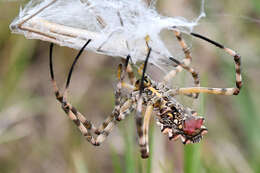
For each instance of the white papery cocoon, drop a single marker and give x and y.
(116, 27)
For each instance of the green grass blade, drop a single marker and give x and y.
(80, 165)
(116, 161)
(20, 57)
(129, 146)
(150, 159)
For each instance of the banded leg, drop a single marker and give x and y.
(194, 74)
(86, 131)
(184, 64)
(216, 91)
(123, 110)
(129, 70)
(60, 97)
(139, 117)
(144, 140)
(83, 125)
(237, 60)
(185, 48)
(128, 105)
(120, 111)
(122, 72)
(126, 109)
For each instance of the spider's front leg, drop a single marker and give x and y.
(217, 91)
(236, 56)
(72, 113)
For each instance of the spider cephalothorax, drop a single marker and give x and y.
(147, 98)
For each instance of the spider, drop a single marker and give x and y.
(147, 96)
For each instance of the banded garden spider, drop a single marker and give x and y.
(175, 120)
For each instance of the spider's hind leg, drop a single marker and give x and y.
(83, 125)
(80, 121)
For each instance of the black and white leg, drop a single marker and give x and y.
(218, 91)
(85, 126)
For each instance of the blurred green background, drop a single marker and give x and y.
(36, 135)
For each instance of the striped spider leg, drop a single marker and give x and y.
(85, 126)
(142, 128)
(184, 64)
(217, 91)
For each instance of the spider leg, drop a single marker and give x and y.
(144, 140)
(125, 109)
(58, 95)
(237, 60)
(195, 75)
(216, 91)
(69, 110)
(122, 111)
(129, 70)
(140, 69)
(185, 48)
(139, 117)
(83, 125)
(184, 64)
(86, 130)
(120, 75)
